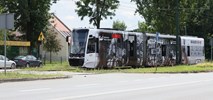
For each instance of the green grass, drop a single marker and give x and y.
(55, 67)
(16, 75)
(174, 69)
(202, 67)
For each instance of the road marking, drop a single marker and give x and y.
(31, 90)
(128, 90)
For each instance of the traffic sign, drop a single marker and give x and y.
(16, 43)
(41, 37)
(7, 21)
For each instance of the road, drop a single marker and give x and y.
(116, 86)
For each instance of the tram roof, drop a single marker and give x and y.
(161, 35)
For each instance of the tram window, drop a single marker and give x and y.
(97, 45)
(91, 45)
(163, 50)
(132, 49)
(132, 44)
(188, 50)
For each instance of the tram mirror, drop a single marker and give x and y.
(90, 36)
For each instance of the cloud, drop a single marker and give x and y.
(65, 10)
(70, 18)
(126, 12)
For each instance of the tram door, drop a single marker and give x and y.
(91, 56)
(132, 50)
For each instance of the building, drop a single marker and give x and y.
(16, 45)
(63, 31)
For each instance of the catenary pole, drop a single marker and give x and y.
(5, 47)
(177, 33)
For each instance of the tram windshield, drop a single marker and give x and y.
(79, 41)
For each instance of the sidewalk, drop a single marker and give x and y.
(65, 75)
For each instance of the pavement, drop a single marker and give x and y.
(52, 72)
(8, 70)
(65, 74)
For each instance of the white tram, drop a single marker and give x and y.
(103, 48)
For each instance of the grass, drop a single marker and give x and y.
(16, 75)
(55, 67)
(202, 67)
(174, 69)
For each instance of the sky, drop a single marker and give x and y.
(65, 10)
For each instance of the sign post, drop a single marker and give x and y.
(156, 44)
(6, 22)
(40, 39)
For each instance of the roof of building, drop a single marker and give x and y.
(60, 26)
(17, 33)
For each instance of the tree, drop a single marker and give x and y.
(1, 39)
(96, 10)
(159, 14)
(2, 32)
(52, 44)
(31, 17)
(119, 25)
(1, 9)
(1, 35)
(196, 17)
(143, 27)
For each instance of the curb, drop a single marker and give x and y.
(33, 79)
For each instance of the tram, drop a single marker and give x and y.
(106, 48)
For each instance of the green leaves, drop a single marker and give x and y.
(196, 17)
(143, 27)
(1, 9)
(96, 10)
(119, 25)
(31, 16)
(159, 14)
(52, 44)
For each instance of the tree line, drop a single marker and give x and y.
(195, 16)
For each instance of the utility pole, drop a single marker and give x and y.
(178, 55)
(98, 13)
(211, 43)
(5, 46)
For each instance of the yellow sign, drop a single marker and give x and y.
(16, 43)
(41, 37)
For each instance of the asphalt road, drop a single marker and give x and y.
(117, 86)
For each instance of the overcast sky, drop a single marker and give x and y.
(65, 10)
